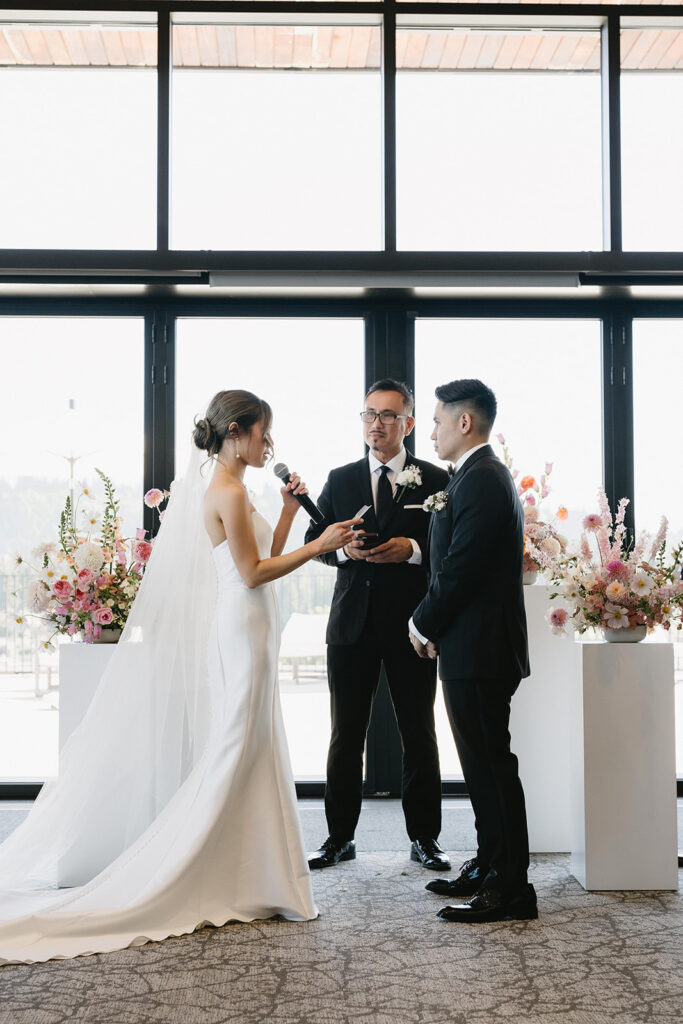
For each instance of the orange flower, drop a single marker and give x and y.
(527, 482)
(562, 513)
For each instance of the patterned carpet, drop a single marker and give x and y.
(379, 955)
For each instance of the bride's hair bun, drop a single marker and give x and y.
(204, 436)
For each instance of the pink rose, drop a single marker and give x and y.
(154, 498)
(85, 577)
(62, 588)
(104, 616)
(142, 549)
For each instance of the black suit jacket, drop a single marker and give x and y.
(474, 609)
(400, 586)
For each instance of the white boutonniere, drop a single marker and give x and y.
(436, 502)
(407, 479)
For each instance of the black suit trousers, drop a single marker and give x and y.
(479, 713)
(353, 673)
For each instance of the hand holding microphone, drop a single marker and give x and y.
(297, 489)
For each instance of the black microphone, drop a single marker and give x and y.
(314, 512)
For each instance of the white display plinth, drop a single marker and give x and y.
(541, 730)
(624, 799)
(81, 666)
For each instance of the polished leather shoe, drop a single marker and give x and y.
(490, 905)
(469, 881)
(429, 853)
(330, 853)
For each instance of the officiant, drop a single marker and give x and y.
(381, 578)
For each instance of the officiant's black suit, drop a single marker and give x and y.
(474, 612)
(368, 626)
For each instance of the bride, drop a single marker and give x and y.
(175, 804)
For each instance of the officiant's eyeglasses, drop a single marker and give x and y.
(384, 417)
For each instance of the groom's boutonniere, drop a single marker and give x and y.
(407, 479)
(436, 502)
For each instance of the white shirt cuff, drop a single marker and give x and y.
(413, 630)
(341, 556)
(416, 557)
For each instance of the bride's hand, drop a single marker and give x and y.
(337, 535)
(295, 486)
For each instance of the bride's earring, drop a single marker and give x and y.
(237, 450)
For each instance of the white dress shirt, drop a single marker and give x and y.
(459, 464)
(395, 466)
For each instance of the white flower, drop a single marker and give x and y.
(642, 583)
(617, 617)
(50, 575)
(530, 514)
(435, 502)
(89, 556)
(569, 589)
(39, 596)
(409, 477)
(92, 519)
(551, 546)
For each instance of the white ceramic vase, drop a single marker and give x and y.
(109, 636)
(625, 636)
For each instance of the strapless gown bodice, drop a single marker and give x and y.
(226, 570)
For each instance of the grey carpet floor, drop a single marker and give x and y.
(379, 955)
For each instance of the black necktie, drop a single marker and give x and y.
(385, 498)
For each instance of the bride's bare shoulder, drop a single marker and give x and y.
(225, 492)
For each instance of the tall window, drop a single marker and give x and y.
(70, 400)
(78, 127)
(276, 135)
(498, 138)
(652, 136)
(546, 377)
(315, 401)
(657, 373)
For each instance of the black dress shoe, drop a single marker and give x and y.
(429, 853)
(330, 853)
(490, 905)
(469, 881)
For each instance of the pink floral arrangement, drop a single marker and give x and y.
(88, 581)
(543, 543)
(607, 586)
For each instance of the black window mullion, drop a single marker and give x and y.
(389, 127)
(159, 457)
(617, 412)
(164, 72)
(610, 71)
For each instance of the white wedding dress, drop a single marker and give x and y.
(198, 823)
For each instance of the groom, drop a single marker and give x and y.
(376, 590)
(474, 615)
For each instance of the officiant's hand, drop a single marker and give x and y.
(432, 650)
(355, 549)
(397, 549)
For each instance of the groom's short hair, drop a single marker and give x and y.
(475, 397)
(389, 384)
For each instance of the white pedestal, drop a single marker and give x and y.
(624, 806)
(81, 666)
(540, 726)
